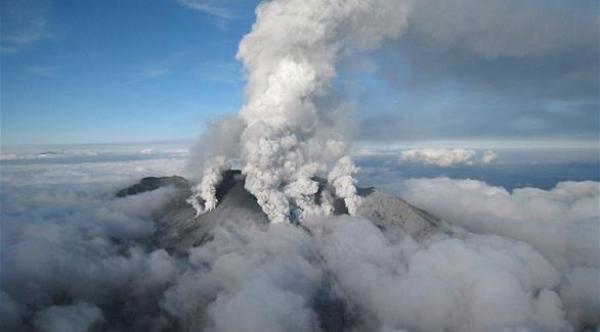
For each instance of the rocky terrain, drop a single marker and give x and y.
(180, 229)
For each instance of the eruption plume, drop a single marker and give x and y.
(206, 190)
(290, 57)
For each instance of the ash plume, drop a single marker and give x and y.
(290, 57)
(206, 190)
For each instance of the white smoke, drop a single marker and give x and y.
(344, 183)
(290, 57)
(207, 188)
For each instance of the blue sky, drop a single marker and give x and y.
(132, 70)
(103, 71)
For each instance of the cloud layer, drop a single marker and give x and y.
(563, 224)
(76, 258)
(447, 157)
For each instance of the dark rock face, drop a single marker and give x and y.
(153, 183)
(179, 229)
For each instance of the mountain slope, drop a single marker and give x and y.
(180, 229)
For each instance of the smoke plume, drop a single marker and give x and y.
(290, 57)
(213, 174)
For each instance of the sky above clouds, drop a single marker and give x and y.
(114, 71)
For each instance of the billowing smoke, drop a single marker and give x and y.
(290, 57)
(341, 177)
(206, 190)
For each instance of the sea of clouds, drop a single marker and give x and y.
(76, 258)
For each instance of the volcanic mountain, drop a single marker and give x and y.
(180, 229)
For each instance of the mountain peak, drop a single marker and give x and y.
(180, 229)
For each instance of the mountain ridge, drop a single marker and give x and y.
(179, 229)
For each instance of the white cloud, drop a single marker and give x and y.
(552, 220)
(71, 242)
(563, 224)
(267, 279)
(446, 284)
(446, 157)
(89, 172)
(86, 164)
(489, 157)
(76, 254)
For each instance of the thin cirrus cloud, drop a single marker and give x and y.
(226, 72)
(152, 70)
(157, 68)
(24, 24)
(45, 71)
(212, 8)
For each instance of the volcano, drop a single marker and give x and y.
(179, 229)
